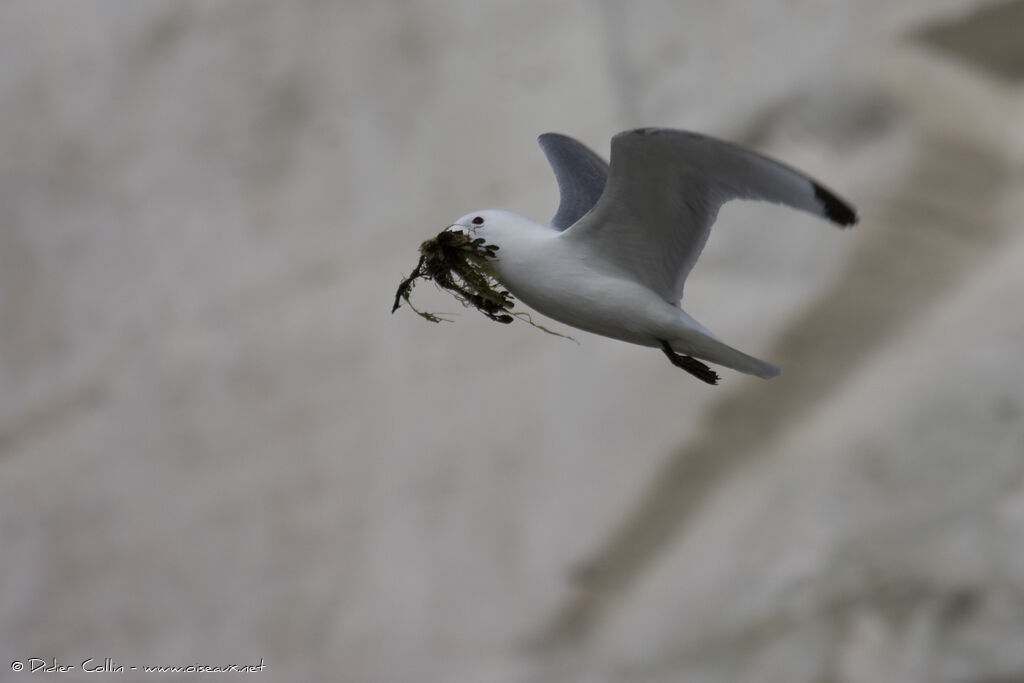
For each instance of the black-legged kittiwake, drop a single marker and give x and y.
(615, 256)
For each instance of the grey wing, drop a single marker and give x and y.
(663, 194)
(581, 176)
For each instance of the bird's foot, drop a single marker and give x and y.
(690, 364)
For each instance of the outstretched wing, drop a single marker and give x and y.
(663, 194)
(581, 176)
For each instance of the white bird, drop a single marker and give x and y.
(615, 257)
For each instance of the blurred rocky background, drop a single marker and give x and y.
(217, 445)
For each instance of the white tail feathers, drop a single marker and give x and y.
(712, 350)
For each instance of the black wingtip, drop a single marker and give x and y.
(836, 210)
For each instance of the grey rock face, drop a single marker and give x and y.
(217, 446)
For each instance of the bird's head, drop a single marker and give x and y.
(493, 225)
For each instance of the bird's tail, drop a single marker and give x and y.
(707, 347)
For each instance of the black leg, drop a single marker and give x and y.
(691, 365)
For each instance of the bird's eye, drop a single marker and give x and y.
(479, 220)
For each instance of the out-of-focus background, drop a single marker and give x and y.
(218, 446)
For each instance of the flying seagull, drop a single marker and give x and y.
(614, 259)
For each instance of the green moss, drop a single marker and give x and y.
(457, 262)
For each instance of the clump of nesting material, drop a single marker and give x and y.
(458, 262)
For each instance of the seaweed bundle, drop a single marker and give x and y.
(457, 262)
